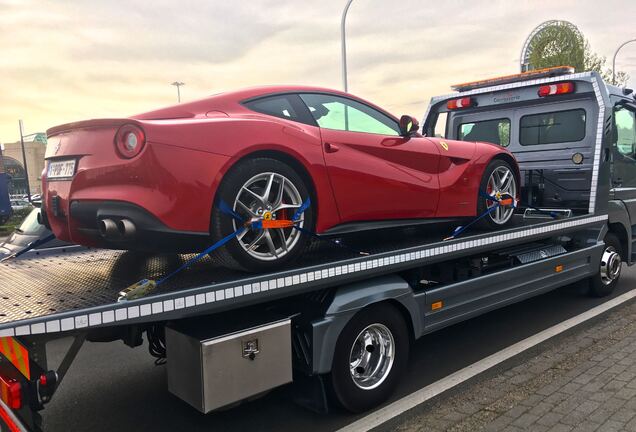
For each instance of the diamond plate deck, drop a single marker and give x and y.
(35, 289)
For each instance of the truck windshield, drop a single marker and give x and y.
(495, 131)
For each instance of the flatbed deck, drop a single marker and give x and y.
(77, 290)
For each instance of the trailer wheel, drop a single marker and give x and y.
(371, 355)
(603, 283)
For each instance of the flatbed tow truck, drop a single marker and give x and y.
(338, 325)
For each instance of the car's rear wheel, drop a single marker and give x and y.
(498, 181)
(261, 188)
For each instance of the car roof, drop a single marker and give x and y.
(230, 101)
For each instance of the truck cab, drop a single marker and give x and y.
(557, 124)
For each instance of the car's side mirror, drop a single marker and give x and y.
(408, 125)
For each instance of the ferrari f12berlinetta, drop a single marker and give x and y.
(154, 181)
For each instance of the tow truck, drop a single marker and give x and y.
(337, 326)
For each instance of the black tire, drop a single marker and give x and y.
(232, 254)
(487, 221)
(601, 286)
(343, 388)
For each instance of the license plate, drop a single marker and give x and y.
(61, 169)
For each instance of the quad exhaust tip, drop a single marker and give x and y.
(116, 229)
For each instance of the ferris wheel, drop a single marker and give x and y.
(550, 38)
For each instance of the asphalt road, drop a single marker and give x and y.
(112, 387)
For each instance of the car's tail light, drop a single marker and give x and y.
(465, 102)
(556, 89)
(11, 393)
(130, 140)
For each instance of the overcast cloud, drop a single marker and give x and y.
(68, 60)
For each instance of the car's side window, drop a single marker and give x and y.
(339, 113)
(277, 106)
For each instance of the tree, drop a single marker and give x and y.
(565, 46)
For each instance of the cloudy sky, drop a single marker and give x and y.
(69, 60)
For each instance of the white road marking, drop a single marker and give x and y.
(400, 406)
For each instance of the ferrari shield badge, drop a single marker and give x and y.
(444, 144)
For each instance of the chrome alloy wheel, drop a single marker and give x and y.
(372, 355)
(268, 196)
(610, 265)
(502, 181)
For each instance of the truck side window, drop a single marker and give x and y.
(439, 130)
(624, 146)
(625, 122)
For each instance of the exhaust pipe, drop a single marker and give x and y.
(126, 228)
(107, 228)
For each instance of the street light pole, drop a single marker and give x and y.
(178, 84)
(614, 59)
(343, 44)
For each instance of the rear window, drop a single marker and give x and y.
(495, 131)
(553, 127)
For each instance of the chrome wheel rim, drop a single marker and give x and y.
(268, 195)
(371, 357)
(610, 265)
(501, 182)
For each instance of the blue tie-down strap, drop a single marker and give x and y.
(504, 200)
(30, 246)
(145, 286)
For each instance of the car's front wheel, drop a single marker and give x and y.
(499, 181)
(261, 188)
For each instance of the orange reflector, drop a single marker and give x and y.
(558, 268)
(16, 354)
(437, 305)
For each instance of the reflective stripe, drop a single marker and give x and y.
(16, 354)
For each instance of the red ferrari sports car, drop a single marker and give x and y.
(156, 181)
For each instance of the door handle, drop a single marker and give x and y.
(331, 148)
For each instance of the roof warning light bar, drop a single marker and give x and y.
(525, 76)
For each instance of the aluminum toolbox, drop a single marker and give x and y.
(210, 372)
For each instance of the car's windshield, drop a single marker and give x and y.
(30, 225)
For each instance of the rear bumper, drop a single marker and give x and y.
(149, 235)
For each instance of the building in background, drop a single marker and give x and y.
(34, 148)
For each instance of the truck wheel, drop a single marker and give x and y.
(499, 178)
(371, 355)
(605, 281)
(261, 188)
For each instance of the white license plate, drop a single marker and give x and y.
(61, 169)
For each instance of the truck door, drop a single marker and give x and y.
(624, 157)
